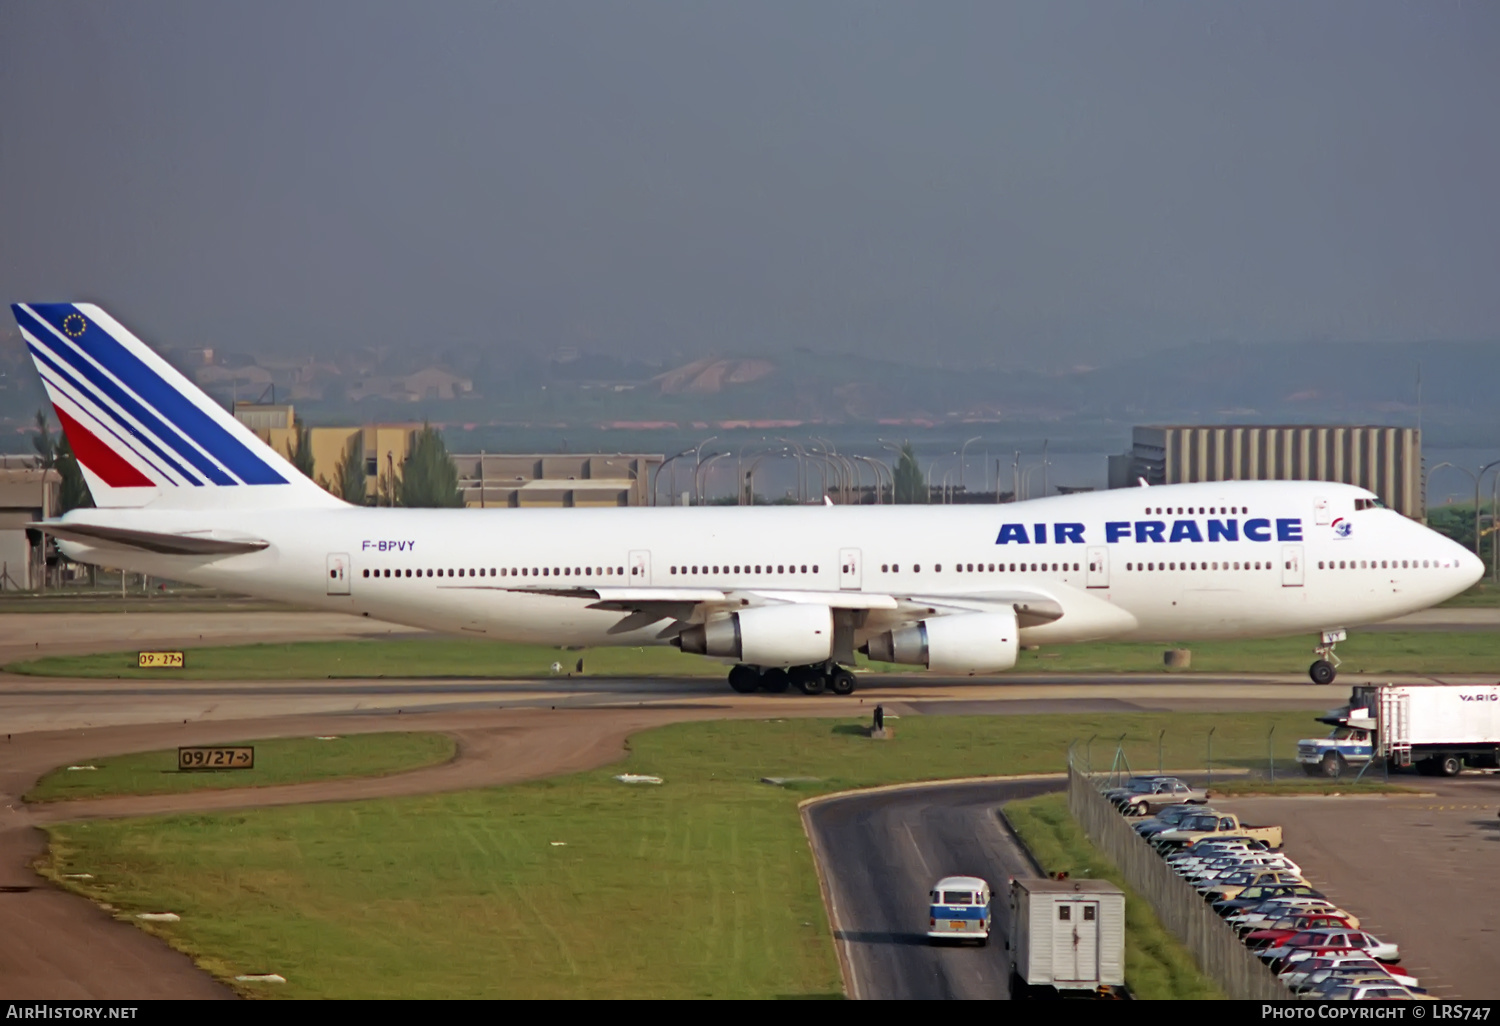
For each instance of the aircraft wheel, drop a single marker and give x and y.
(1322, 672)
(810, 680)
(744, 679)
(841, 682)
(775, 680)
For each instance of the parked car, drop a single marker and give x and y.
(1252, 896)
(1269, 911)
(1136, 785)
(1165, 819)
(1371, 989)
(1210, 825)
(1273, 933)
(1310, 972)
(1164, 793)
(1312, 943)
(1230, 886)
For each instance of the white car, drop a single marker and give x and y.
(1330, 940)
(1304, 976)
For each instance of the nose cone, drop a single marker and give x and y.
(1470, 566)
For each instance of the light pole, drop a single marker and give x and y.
(1476, 478)
(1026, 476)
(961, 449)
(1045, 464)
(700, 475)
(801, 469)
(697, 462)
(656, 484)
(1015, 478)
(875, 466)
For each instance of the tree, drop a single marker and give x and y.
(428, 477)
(58, 455)
(349, 474)
(301, 453)
(910, 488)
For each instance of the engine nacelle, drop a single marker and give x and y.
(962, 643)
(789, 635)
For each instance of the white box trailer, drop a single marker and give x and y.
(1439, 728)
(1066, 934)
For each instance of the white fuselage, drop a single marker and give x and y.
(1213, 560)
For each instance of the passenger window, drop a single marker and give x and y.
(367, 573)
(916, 568)
(937, 568)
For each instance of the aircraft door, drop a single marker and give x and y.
(640, 568)
(1291, 566)
(851, 575)
(338, 573)
(1320, 511)
(1098, 566)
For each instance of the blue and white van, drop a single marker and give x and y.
(959, 910)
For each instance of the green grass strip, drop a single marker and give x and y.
(1157, 967)
(458, 658)
(285, 760)
(579, 886)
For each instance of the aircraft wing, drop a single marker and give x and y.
(694, 605)
(194, 544)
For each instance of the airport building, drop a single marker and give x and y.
(1386, 460)
(485, 479)
(26, 495)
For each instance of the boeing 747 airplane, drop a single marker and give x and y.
(785, 594)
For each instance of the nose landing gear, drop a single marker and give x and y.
(1325, 668)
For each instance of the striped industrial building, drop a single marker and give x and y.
(1386, 460)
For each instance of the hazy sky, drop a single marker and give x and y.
(1035, 181)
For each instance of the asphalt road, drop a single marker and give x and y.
(881, 852)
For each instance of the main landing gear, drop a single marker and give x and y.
(810, 680)
(1325, 668)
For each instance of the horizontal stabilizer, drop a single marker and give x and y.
(151, 541)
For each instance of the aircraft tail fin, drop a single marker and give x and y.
(145, 435)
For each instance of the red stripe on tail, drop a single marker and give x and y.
(99, 457)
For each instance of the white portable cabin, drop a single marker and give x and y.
(1068, 934)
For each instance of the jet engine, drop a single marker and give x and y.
(962, 643)
(787, 635)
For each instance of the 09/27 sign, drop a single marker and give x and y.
(208, 758)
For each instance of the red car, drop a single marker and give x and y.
(1272, 935)
(1324, 941)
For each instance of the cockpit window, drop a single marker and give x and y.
(1360, 504)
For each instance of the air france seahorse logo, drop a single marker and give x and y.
(1342, 527)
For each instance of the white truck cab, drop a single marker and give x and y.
(1327, 756)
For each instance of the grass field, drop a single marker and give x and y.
(1414, 652)
(1156, 965)
(284, 760)
(578, 886)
